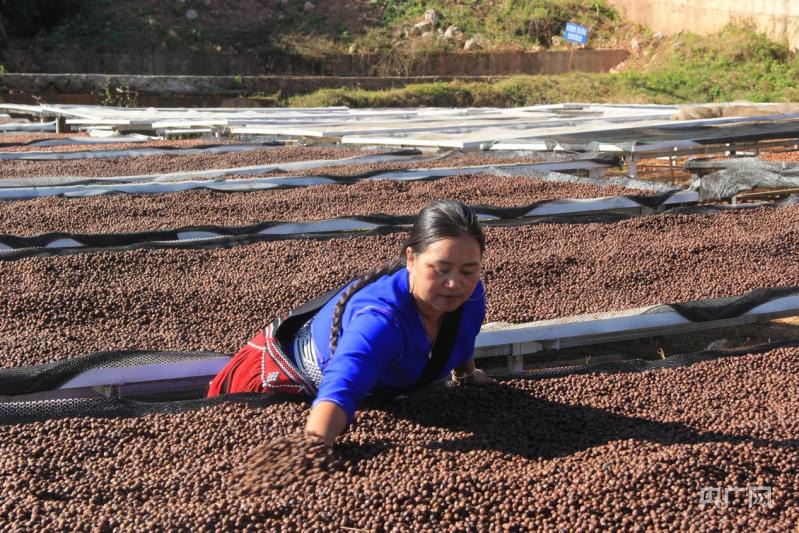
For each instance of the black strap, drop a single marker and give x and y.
(442, 349)
(285, 329)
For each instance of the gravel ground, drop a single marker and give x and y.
(594, 452)
(129, 213)
(59, 307)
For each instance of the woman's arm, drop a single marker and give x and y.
(327, 420)
(365, 349)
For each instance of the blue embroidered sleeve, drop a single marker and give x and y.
(371, 341)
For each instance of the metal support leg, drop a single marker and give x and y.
(61, 125)
(596, 172)
(633, 167)
(515, 363)
(672, 164)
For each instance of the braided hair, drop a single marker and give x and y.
(438, 220)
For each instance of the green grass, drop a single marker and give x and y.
(736, 64)
(510, 92)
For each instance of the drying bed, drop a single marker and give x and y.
(634, 451)
(792, 156)
(238, 163)
(215, 299)
(130, 166)
(129, 213)
(59, 143)
(133, 151)
(11, 141)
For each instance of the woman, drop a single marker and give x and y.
(391, 331)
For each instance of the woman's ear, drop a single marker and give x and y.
(410, 258)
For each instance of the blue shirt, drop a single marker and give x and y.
(383, 343)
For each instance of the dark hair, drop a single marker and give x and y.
(436, 221)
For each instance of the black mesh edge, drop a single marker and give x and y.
(239, 240)
(108, 242)
(48, 376)
(204, 244)
(642, 365)
(38, 411)
(723, 308)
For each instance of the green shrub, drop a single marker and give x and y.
(738, 63)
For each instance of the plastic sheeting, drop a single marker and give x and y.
(217, 174)
(724, 178)
(658, 137)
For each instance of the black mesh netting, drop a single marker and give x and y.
(238, 240)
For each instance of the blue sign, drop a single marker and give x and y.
(575, 33)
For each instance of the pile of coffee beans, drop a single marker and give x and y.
(637, 451)
(788, 157)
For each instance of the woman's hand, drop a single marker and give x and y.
(327, 421)
(468, 374)
(480, 378)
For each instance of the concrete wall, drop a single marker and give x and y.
(778, 18)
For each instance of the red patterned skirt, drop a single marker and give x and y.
(261, 366)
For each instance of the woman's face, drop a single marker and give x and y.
(446, 273)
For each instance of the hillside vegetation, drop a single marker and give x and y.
(297, 26)
(739, 63)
